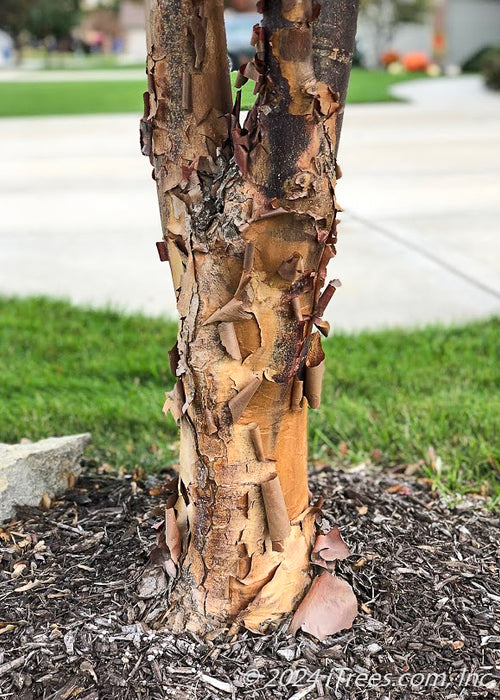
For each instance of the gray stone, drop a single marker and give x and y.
(29, 470)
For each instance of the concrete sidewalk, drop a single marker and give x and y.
(422, 190)
(419, 240)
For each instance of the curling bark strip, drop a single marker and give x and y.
(249, 222)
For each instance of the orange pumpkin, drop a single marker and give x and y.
(416, 61)
(389, 57)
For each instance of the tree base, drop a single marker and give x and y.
(322, 605)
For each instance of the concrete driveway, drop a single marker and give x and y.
(419, 242)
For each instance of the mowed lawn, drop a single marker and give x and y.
(388, 396)
(72, 97)
(98, 97)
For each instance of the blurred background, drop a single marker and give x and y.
(419, 243)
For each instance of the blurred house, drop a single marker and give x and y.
(241, 5)
(118, 29)
(239, 29)
(467, 27)
(132, 20)
(470, 25)
(99, 28)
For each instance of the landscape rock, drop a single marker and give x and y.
(30, 470)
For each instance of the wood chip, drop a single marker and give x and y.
(28, 586)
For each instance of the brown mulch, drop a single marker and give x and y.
(426, 577)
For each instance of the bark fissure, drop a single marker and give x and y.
(249, 223)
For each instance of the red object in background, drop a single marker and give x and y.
(416, 61)
(389, 57)
(439, 31)
(241, 5)
(439, 43)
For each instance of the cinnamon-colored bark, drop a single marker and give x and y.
(248, 217)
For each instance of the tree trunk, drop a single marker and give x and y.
(248, 216)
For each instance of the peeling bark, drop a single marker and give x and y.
(249, 224)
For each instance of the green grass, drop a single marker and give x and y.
(364, 86)
(92, 97)
(373, 85)
(65, 370)
(95, 97)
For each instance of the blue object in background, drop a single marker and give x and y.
(239, 28)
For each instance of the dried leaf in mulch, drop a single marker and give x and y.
(328, 607)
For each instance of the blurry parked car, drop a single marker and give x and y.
(6, 49)
(239, 26)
